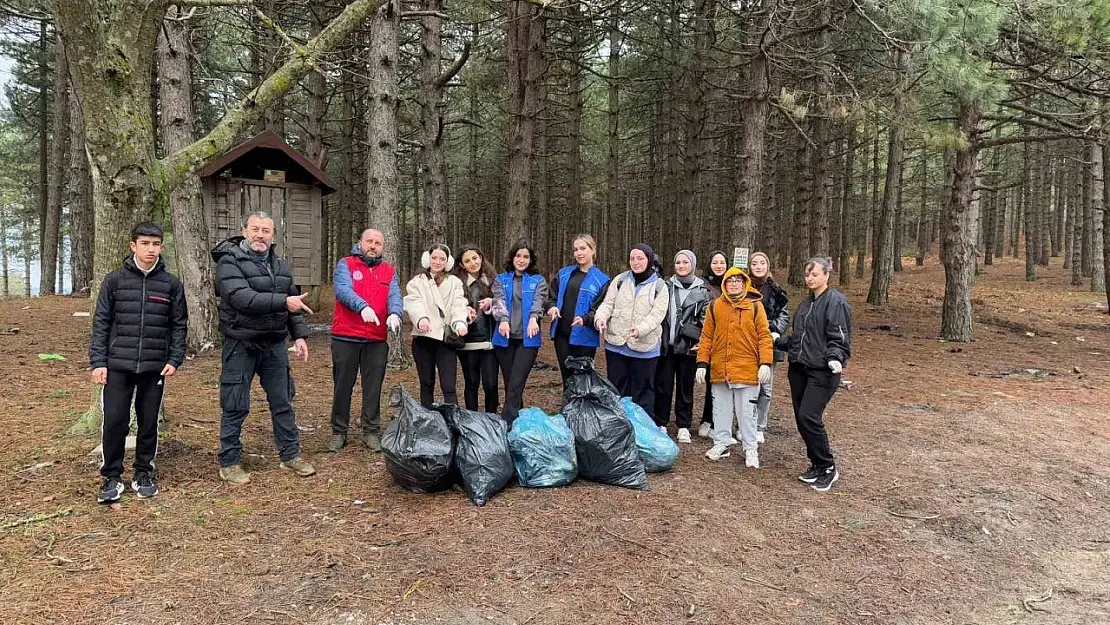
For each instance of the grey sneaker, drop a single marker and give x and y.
(299, 466)
(373, 442)
(337, 442)
(235, 475)
(144, 485)
(110, 490)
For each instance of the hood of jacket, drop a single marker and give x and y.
(232, 246)
(751, 294)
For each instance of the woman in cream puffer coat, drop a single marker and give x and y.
(630, 319)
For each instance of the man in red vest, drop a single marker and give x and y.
(367, 291)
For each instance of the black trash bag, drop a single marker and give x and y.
(603, 436)
(482, 458)
(418, 445)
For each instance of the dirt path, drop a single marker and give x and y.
(976, 489)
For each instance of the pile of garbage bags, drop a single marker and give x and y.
(599, 436)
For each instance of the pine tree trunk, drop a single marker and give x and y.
(799, 243)
(383, 190)
(432, 109)
(189, 222)
(612, 200)
(882, 266)
(863, 222)
(271, 54)
(898, 213)
(575, 212)
(755, 107)
(5, 285)
(847, 210)
(1086, 262)
(55, 180)
(28, 240)
(526, 69)
(923, 244)
(80, 202)
(1098, 235)
(44, 134)
(1105, 157)
(958, 251)
(1029, 211)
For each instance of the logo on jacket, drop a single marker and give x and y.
(357, 275)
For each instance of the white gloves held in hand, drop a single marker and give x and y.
(699, 376)
(775, 337)
(764, 374)
(369, 316)
(835, 366)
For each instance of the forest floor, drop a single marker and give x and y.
(975, 489)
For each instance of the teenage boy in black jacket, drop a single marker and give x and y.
(138, 339)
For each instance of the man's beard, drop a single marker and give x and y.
(260, 246)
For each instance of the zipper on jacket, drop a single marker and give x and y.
(142, 323)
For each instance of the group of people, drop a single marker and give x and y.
(662, 337)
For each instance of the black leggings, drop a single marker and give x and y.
(429, 355)
(516, 362)
(564, 350)
(811, 390)
(479, 368)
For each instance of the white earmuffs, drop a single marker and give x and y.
(426, 260)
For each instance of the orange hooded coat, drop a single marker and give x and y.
(736, 339)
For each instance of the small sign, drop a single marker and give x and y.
(273, 175)
(740, 257)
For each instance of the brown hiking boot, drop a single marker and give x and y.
(373, 442)
(337, 442)
(235, 475)
(299, 466)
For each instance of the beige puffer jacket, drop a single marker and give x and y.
(421, 298)
(624, 308)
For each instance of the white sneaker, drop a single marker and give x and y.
(683, 435)
(751, 459)
(705, 430)
(759, 438)
(718, 451)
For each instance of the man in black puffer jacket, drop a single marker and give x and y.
(259, 306)
(138, 339)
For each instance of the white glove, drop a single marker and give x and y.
(765, 374)
(775, 336)
(369, 316)
(835, 366)
(699, 377)
(393, 322)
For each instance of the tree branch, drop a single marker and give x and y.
(213, 3)
(993, 143)
(456, 67)
(176, 167)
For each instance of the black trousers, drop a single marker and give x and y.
(811, 390)
(633, 377)
(674, 376)
(564, 350)
(270, 361)
(516, 362)
(479, 368)
(707, 407)
(348, 360)
(429, 355)
(115, 399)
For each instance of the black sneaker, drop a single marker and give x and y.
(110, 490)
(144, 485)
(825, 481)
(811, 475)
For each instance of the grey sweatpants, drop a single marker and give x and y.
(763, 406)
(734, 403)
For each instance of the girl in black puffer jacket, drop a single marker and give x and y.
(479, 364)
(718, 265)
(775, 302)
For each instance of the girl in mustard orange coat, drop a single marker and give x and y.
(737, 341)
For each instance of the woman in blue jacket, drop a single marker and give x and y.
(518, 296)
(571, 294)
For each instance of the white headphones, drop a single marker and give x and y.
(426, 259)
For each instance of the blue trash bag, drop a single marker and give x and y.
(657, 451)
(543, 449)
(603, 437)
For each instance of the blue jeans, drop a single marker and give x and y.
(270, 361)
